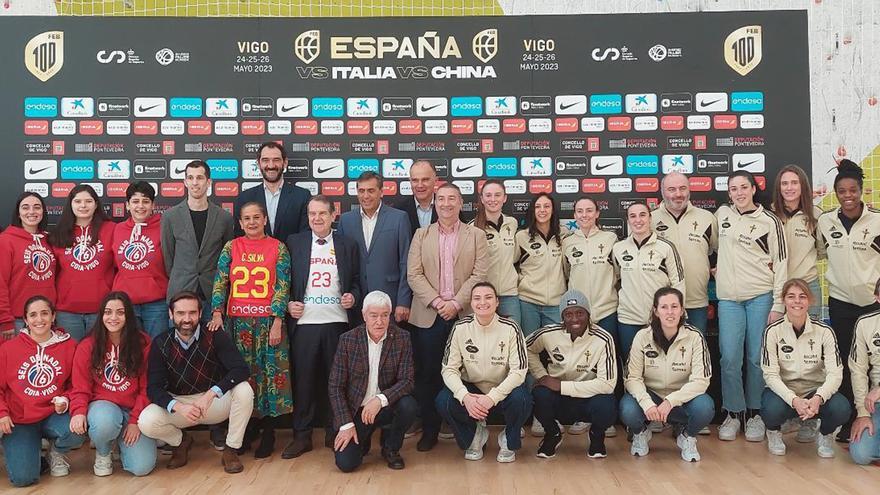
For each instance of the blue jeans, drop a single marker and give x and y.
(816, 308)
(699, 317)
(107, 423)
(609, 324)
(153, 317)
(509, 306)
(78, 325)
(535, 316)
(550, 406)
(626, 333)
(516, 408)
(775, 411)
(741, 326)
(692, 416)
(22, 446)
(867, 449)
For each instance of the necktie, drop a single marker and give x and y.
(321, 242)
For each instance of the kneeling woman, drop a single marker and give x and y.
(484, 367)
(35, 369)
(110, 388)
(667, 374)
(803, 370)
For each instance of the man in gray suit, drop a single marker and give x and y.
(382, 234)
(193, 234)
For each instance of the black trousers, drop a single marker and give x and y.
(312, 350)
(428, 346)
(843, 321)
(399, 416)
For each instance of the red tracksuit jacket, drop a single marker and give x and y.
(85, 272)
(139, 263)
(27, 268)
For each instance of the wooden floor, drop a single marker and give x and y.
(736, 467)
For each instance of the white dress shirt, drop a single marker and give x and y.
(369, 225)
(374, 352)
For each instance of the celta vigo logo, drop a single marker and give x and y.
(307, 46)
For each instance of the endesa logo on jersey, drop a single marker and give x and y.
(602, 104)
(747, 101)
(501, 167)
(38, 106)
(357, 166)
(466, 106)
(185, 108)
(500, 105)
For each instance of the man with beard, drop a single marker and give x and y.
(195, 377)
(285, 203)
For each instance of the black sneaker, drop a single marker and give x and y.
(547, 449)
(843, 434)
(597, 445)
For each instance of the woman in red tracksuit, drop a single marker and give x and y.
(82, 245)
(138, 253)
(27, 263)
(110, 388)
(35, 369)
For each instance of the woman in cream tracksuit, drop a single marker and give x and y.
(752, 267)
(666, 377)
(803, 369)
(500, 232)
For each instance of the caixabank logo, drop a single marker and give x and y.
(431, 46)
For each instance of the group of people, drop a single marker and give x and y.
(407, 317)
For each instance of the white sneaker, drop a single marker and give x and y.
(505, 455)
(790, 425)
(611, 432)
(537, 428)
(825, 445)
(481, 436)
(578, 428)
(688, 446)
(445, 432)
(655, 426)
(729, 429)
(58, 465)
(705, 431)
(755, 429)
(774, 442)
(808, 431)
(103, 465)
(639, 447)
(522, 432)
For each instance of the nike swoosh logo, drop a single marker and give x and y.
(463, 169)
(704, 104)
(179, 170)
(38, 170)
(327, 169)
(566, 107)
(746, 164)
(605, 165)
(146, 109)
(287, 109)
(428, 109)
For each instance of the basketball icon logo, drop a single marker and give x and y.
(40, 374)
(111, 373)
(83, 253)
(136, 251)
(41, 259)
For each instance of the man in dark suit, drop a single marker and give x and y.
(420, 207)
(382, 234)
(324, 292)
(285, 203)
(370, 386)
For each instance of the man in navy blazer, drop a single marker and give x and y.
(285, 203)
(382, 234)
(324, 295)
(420, 206)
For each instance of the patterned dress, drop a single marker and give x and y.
(270, 365)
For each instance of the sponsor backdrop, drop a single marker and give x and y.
(572, 105)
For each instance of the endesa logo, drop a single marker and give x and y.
(185, 107)
(328, 107)
(466, 106)
(77, 169)
(223, 169)
(357, 166)
(747, 101)
(501, 167)
(602, 104)
(642, 164)
(37, 106)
